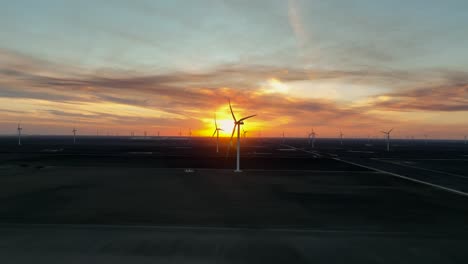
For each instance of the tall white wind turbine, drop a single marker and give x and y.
(237, 126)
(216, 132)
(19, 134)
(387, 135)
(74, 135)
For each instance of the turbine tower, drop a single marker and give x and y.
(387, 135)
(74, 135)
(341, 137)
(283, 137)
(19, 134)
(216, 131)
(237, 126)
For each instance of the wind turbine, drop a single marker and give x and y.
(74, 135)
(237, 126)
(19, 134)
(283, 137)
(387, 135)
(216, 131)
(341, 137)
(244, 132)
(312, 135)
(190, 132)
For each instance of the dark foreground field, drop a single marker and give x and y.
(176, 200)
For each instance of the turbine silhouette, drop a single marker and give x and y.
(312, 135)
(74, 135)
(216, 132)
(237, 126)
(19, 134)
(387, 135)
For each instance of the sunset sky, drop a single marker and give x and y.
(120, 66)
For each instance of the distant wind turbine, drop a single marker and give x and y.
(283, 137)
(244, 132)
(312, 135)
(387, 135)
(237, 126)
(216, 132)
(19, 134)
(341, 137)
(74, 135)
(465, 140)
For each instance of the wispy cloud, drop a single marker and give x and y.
(48, 92)
(453, 97)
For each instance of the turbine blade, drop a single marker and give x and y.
(242, 119)
(230, 141)
(216, 124)
(390, 130)
(214, 133)
(232, 113)
(232, 135)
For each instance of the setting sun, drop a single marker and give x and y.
(226, 125)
